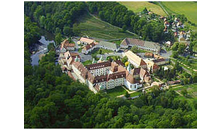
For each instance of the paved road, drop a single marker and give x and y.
(42, 49)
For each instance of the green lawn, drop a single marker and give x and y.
(97, 51)
(140, 5)
(116, 91)
(136, 93)
(88, 62)
(189, 9)
(92, 27)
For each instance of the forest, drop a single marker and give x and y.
(53, 100)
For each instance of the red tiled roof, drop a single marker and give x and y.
(98, 65)
(117, 75)
(87, 47)
(155, 67)
(119, 62)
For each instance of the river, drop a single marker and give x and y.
(41, 49)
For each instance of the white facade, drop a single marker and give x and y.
(77, 72)
(131, 86)
(91, 87)
(100, 71)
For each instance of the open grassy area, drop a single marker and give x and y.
(116, 91)
(136, 93)
(189, 9)
(140, 5)
(93, 27)
(99, 51)
(88, 62)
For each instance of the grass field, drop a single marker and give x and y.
(93, 27)
(139, 6)
(116, 91)
(189, 9)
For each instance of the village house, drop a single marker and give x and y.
(179, 25)
(184, 37)
(146, 45)
(166, 24)
(165, 29)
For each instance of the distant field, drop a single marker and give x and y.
(139, 6)
(189, 9)
(92, 27)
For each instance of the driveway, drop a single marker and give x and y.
(166, 54)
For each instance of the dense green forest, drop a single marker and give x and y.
(53, 100)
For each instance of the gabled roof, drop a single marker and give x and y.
(139, 71)
(87, 40)
(119, 62)
(66, 44)
(81, 68)
(98, 65)
(108, 45)
(135, 58)
(138, 42)
(87, 47)
(117, 75)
